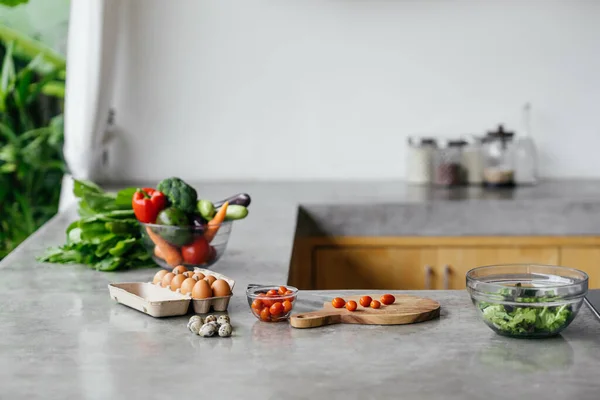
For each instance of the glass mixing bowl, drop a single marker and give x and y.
(193, 246)
(527, 300)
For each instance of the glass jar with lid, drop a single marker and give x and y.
(472, 160)
(447, 163)
(498, 151)
(419, 160)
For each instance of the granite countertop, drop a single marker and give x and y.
(63, 337)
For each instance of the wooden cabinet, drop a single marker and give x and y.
(453, 263)
(583, 258)
(415, 263)
(373, 268)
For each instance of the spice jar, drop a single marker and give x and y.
(498, 158)
(472, 161)
(419, 160)
(447, 163)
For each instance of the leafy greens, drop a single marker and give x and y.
(106, 237)
(520, 320)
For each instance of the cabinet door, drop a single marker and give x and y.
(453, 263)
(373, 268)
(586, 259)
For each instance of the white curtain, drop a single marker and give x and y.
(91, 51)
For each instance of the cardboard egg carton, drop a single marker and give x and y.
(156, 301)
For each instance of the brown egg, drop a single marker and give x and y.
(189, 274)
(188, 285)
(201, 290)
(166, 280)
(180, 268)
(177, 281)
(210, 279)
(221, 288)
(200, 275)
(159, 275)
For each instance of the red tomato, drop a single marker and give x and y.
(351, 305)
(265, 315)
(282, 290)
(257, 304)
(365, 301)
(197, 252)
(375, 304)
(272, 292)
(387, 299)
(291, 294)
(276, 308)
(338, 302)
(267, 303)
(287, 306)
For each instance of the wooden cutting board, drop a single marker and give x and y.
(406, 310)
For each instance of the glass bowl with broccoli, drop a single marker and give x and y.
(527, 300)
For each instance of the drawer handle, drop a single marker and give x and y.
(446, 277)
(428, 271)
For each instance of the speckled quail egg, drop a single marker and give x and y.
(195, 318)
(210, 318)
(225, 330)
(207, 330)
(223, 319)
(195, 327)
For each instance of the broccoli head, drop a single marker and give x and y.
(180, 194)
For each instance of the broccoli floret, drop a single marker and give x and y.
(180, 194)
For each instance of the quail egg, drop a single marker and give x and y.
(207, 330)
(225, 330)
(223, 319)
(195, 327)
(195, 318)
(210, 318)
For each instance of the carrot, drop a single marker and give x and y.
(215, 223)
(171, 254)
(158, 253)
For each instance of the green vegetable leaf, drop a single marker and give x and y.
(107, 237)
(81, 187)
(122, 247)
(124, 197)
(13, 3)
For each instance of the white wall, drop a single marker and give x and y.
(257, 89)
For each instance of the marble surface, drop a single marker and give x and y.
(62, 337)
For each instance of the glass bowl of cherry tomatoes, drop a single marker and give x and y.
(271, 303)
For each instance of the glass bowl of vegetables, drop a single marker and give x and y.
(527, 300)
(271, 303)
(200, 245)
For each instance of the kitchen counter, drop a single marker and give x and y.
(63, 337)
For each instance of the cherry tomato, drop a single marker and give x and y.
(257, 304)
(338, 302)
(272, 292)
(276, 308)
(387, 299)
(291, 294)
(351, 305)
(375, 304)
(265, 315)
(365, 301)
(282, 290)
(267, 303)
(287, 306)
(196, 252)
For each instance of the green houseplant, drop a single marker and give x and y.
(31, 135)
